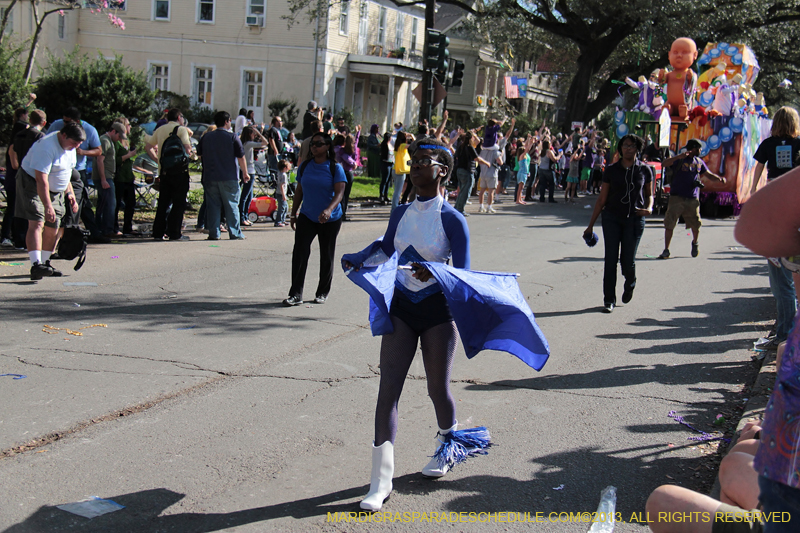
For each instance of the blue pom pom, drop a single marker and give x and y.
(460, 445)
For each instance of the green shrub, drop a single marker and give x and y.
(287, 110)
(102, 89)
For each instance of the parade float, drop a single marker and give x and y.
(718, 107)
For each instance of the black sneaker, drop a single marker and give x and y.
(53, 272)
(608, 308)
(695, 251)
(627, 295)
(664, 254)
(39, 271)
(292, 301)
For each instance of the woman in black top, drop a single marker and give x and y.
(625, 199)
(466, 155)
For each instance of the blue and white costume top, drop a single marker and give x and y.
(426, 230)
(489, 309)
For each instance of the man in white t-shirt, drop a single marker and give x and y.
(43, 181)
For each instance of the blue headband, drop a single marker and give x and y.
(431, 147)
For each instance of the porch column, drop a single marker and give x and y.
(390, 105)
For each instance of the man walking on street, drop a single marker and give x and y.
(684, 198)
(103, 172)
(220, 149)
(173, 176)
(43, 181)
(80, 181)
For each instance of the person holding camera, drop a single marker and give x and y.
(684, 198)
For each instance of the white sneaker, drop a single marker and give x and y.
(492, 210)
(6, 243)
(482, 209)
(469, 202)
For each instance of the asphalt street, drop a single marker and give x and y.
(194, 399)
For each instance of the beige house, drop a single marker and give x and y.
(240, 53)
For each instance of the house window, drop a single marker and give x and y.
(256, 7)
(206, 11)
(159, 75)
(253, 87)
(62, 26)
(161, 10)
(343, 14)
(399, 28)
(204, 78)
(382, 26)
(414, 30)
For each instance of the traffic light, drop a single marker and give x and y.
(432, 48)
(444, 55)
(458, 73)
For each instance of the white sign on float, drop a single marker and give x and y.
(577, 124)
(664, 128)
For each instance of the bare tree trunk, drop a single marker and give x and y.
(4, 22)
(36, 34)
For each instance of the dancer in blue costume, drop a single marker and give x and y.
(426, 230)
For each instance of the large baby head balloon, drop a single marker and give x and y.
(681, 81)
(682, 54)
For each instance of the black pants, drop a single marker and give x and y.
(126, 201)
(85, 213)
(174, 188)
(349, 185)
(305, 231)
(546, 182)
(14, 228)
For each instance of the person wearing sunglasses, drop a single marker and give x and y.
(427, 229)
(320, 189)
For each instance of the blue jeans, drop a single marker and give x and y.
(782, 286)
(466, 180)
(386, 175)
(106, 207)
(245, 197)
(621, 236)
(779, 498)
(399, 181)
(283, 206)
(222, 195)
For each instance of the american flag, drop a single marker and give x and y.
(512, 89)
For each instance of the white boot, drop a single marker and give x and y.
(382, 471)
(432, 469)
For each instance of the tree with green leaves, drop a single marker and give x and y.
(13, 90)
(103, 89)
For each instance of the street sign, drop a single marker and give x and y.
(439, 92)
(664, 129)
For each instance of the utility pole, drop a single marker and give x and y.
(427, 75)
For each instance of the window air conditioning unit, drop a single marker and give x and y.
(254, 20)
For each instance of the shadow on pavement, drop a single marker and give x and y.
(630, 469)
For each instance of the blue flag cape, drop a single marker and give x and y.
(488, 307)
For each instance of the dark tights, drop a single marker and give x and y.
(397, 352)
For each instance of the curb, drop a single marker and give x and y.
(756, 404)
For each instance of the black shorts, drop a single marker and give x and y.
(421, 316)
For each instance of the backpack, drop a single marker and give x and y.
(72, 245)
(305, 163)
(173, 157)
